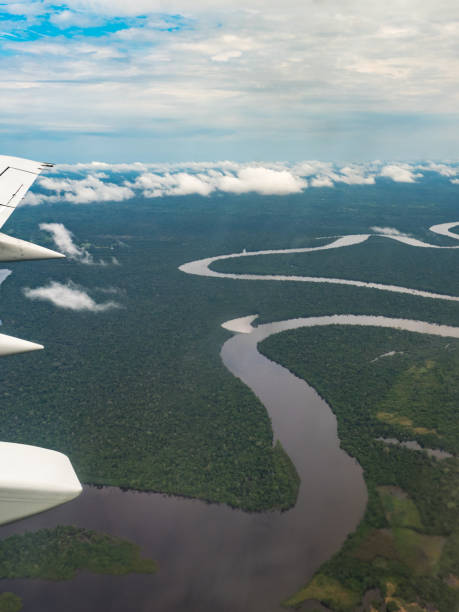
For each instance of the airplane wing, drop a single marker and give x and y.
(32, 479)
(16, 176)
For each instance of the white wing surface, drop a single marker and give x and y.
(33, 479)
(16, 176)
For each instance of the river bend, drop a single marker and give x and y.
(213, 558)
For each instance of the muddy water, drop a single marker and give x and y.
(212, 557)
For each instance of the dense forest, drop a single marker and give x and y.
(58, 554)
(138, 397)
(389, 384)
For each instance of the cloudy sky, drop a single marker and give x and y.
(159, 81)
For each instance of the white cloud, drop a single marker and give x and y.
(80, 191)
(66, 19)
(442, 169)
(153, 180)
(321, 181)
(261, 180)
(63, 239)
(155, 185)
(33, 199)
(312, 167)
(256, 179)
(69, 296)
(388, 231)
(326, 174)
(400, 173)
(259, 70)
(355, 175)
(223, 48)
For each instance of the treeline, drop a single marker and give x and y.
(57, 554)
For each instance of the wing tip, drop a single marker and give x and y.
(12, 346)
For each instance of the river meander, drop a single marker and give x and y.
(213, 558)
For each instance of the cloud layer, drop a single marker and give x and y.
(102, 182)
(69, 296)
(242, 79)
(82, 191)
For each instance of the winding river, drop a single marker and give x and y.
(213, 558)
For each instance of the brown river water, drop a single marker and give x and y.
(211, 557)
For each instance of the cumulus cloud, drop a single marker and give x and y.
(155, 185)
(388, 231)
(321, 181)
(261, 180)
(69, 296)
(80, 191)
(63, 239)
(355, 175)
(95, 180)
(323, 174)
(400, 173)
(442, 169)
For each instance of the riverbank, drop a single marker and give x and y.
(406, 545)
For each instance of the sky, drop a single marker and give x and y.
(253, 80)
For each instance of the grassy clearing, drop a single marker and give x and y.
(379, 543)
(421, 553)
(326, 590)
(399, 509)
(395, 419)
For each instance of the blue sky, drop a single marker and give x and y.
(160, 81)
